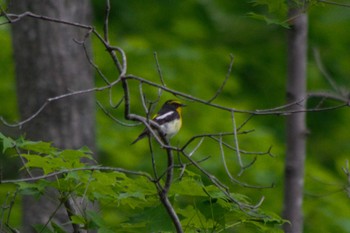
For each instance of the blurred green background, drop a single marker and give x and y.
(193, 41)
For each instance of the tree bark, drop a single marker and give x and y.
(49, 63)
(296, 125)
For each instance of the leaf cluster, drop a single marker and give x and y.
(133, 197)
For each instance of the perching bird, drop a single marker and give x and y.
(169, 118)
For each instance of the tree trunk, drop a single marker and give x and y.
(49, 63)
(296, 125)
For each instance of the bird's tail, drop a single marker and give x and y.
(142, 135)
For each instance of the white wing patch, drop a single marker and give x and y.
(164, 115)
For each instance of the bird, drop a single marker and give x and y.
(169, 118)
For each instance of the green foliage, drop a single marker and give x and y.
(199, 206)
(276, 12)
(6, 142)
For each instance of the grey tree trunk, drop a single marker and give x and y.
(296, 125)
(49, 63)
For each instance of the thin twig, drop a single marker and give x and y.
(222, 152)
(334, 3)
(224, 82)
(13, 18)
(143, 99)
(52, 99)
(23, 161)
(236, 142)
(268, 152)
(211, 135)
(159, 69)
(44, 226)
(114, 118)
(106, 23)
(245, 122)
(271, 111)
(324, 72)
(154, 167)
(98, 70)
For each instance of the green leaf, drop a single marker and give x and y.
(78, 219)
(47, 163)
(195, 219)
(34, 189)
(35, 161)
(269, 20)
(85, 150)
(188, 186)
(74, 155)
(150, 219)
(95, 221)
(39, 147)
(6, 142)
(57, 228)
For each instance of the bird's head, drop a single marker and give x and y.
(174, 104)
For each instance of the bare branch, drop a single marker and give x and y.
(163, 191)
(282, 108)
(52, 99)
(272, 111)
(66, 171)
(13, 18)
